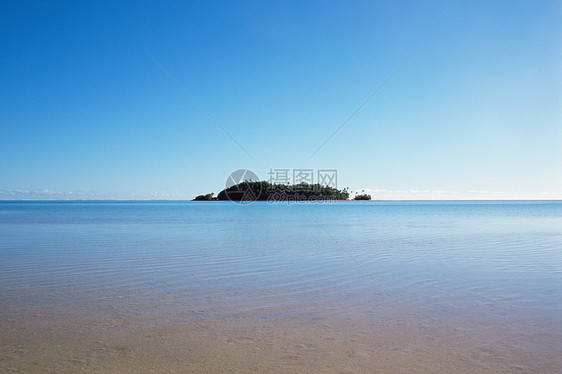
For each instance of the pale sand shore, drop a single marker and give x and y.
(40, 343)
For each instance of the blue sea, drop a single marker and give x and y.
(466, 277)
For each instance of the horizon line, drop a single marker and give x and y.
(192, 200)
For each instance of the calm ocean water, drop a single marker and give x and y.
(479, 265)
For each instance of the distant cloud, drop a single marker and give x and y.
(376, 193)
(385, 194)
(89, 195)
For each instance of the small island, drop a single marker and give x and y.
(362, 197)
(207, 197)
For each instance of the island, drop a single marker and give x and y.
(207, 197)
(266, 191)
(362, 197)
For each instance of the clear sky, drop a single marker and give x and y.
(86, 112)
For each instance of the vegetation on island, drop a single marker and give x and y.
(266, 191)
(362, 197)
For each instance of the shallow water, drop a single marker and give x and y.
(339, 287)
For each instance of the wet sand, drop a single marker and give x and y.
(40, 342)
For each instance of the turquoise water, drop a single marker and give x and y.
(482, 265)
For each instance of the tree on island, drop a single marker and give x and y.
(266, 191)
(362, 197)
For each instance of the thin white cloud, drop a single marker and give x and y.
(89, 195)
(413, 194)
(376, 194)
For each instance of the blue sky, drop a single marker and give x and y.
(475, 113)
